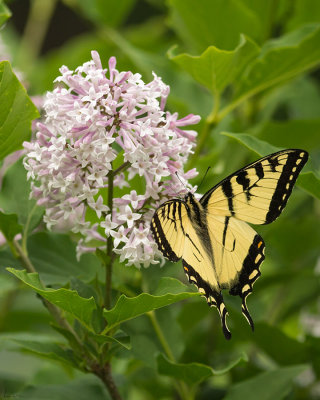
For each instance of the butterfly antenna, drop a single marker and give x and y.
(204, 176)
(183, 184)
(176, 173)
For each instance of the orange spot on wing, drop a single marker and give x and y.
(259, 244)
(186, 269)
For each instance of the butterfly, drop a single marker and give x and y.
(219, 250)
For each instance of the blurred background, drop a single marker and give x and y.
(145, 36)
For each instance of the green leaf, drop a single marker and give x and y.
(303, 12)
(307, 181)
(74, 344)
(7, 284)
(280, 60)
(16, 112)
(73, 53)
(268, 15)
(215, 68)
(83, 388)
(296, 133)
(144, 61)
(111, 13)
(54, 257)
(213, 22)
(49, 350)
(292, 351)
(269, 385)
(192, 373)
(127, 308)
(310, 183)
(9, 225)
(67, 300)
(296, 241)
(5, 13)
(144, 348)
(298, 98)
(14, 197)
(260, 147)
(170, 285)
(120, 339)
(313, 344)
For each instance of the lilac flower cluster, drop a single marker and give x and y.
(101, 129)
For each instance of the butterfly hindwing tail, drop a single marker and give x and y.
(249, 274)
(219, 303)
(213, 297)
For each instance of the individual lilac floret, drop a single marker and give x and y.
(101, 127)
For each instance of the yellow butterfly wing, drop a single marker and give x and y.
(167, 226)
(177, 237)
(238, 253)
(258, 192)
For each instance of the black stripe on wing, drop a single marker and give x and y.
(169, 212)
(214, 298)
(288, 176)
(228, 192)
(249, 274)
(294, 164)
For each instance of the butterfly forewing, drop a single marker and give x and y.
(177, 237)
(258, 192)
(168, 229)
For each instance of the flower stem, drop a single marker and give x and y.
(54, 311)
(181, 387)
(109, 256)
(23, 257)
(201, 144)
(210, 123)
(105, 375)
(160, 335)
(122, 167)
(26, 230)
(102, 371)
(107, 299)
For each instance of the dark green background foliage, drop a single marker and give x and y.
(249, 68)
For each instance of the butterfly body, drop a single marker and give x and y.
(219, 250)
(198, 215)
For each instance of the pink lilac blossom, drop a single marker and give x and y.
(97, 124)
